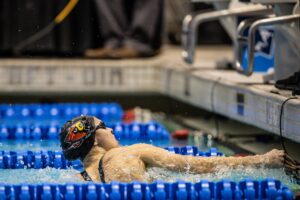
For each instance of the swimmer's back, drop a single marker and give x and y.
(123, 164)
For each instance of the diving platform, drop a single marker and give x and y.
(208, 84)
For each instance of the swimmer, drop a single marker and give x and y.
(104, 160)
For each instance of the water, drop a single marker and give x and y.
(30, 145)
(237, 174)
(35, 176)
(62, 176)
(51, 175)
(38, 145)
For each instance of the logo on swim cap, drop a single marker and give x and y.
(75, 134)
(79, 126)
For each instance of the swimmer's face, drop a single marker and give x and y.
(105, 138)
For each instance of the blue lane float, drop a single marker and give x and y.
(60, 112)
(35, 131)
(55, 159)
(204, 190)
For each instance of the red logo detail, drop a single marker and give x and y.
(74, 135)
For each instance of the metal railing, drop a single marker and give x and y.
(191, 24)
(249, 42)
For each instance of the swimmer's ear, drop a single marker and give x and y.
(96, 121)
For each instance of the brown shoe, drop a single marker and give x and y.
(98, 53)
(124, 52)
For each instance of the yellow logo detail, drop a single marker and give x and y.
(79, 126)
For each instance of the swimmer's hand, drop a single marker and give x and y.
(274, 158)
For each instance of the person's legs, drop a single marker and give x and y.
(146, 24)
(113, 23)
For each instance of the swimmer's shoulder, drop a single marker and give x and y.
(142, 148)
(131, 149)
(114, 152)
(139, 146)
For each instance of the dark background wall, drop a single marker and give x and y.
(20, 19)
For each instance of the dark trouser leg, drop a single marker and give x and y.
(113, 21)
(145, 33)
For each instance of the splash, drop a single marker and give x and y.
(61, 176)
(35, 176)
(237, 174)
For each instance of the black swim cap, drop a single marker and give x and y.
(78, 136)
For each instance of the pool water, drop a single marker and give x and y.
(237, 174)
(35, 176)
(38, 145)
(203, 142)
(30, 145)
(51, 175)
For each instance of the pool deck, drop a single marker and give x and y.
(205, 85)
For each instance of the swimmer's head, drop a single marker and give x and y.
(77, 136)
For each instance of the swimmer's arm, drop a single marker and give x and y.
(211, 164)
(158, 157)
